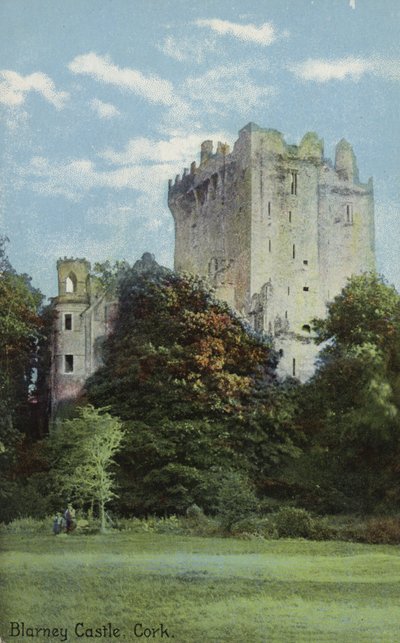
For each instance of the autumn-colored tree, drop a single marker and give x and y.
(187, 378)
(175, 343)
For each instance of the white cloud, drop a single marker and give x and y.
(229, 87)
(14, 88)
(144, 167)
(174, 49)
(174, 152)
(73, 179)
(104, 110)
(101, 68)
(188, 49)
(321, 71)
(385, 68)
(324, 70)
(264, 34)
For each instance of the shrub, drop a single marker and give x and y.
(383, 530)
(291, 522)
(254, 526)
(28, 526)
(153, 524)
(207, 526)
(269, 505)
(19, 500)
(88, 525)
(198, 524)
(170, 525)
(322, 530)
(236, 500)
(134, 525)
(194, 512)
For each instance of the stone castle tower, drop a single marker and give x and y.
(84, 315)
(277, 229)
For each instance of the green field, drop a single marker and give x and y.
(201, 589)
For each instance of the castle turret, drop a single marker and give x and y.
(73, 280)
(69, 367)
(86, 314)
(346, 162)
(206, 151)
(311, 147)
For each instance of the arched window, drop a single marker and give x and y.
(70, 283)
(306, 328)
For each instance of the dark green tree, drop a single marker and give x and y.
(189, 381)
(21, 331)
(351, 406)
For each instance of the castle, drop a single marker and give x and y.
(276, 228)
(85, 314)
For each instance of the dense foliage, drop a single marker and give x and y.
(194, 388)
(351, 406)
(22, 333)
(82, 452)
(206, 423)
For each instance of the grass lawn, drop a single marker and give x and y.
(201, 589)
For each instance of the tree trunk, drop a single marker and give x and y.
(102, 516)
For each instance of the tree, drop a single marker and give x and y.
(351, 406)
(83, 451)
(176, 348)
(21, 331)
(188, 379)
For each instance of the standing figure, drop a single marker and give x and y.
(69, 516)
(57, 523)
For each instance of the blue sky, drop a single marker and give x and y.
(101, 101)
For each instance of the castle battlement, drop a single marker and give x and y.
(269, 143)
(73, 260)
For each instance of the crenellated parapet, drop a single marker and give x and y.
(207, 159)
(73, 260)
(346, 162)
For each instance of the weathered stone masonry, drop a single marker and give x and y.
(85, 315)
(277, 229)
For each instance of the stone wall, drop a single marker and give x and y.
(84, 316)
